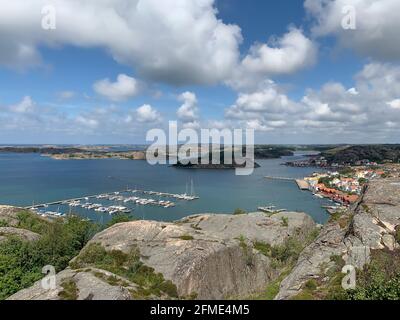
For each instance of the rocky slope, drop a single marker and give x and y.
(203, 256)
(350, 236)
(9, 225)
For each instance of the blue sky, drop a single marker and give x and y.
(310, 88)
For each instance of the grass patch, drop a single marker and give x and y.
(32, 222)
(285, 222)
(239, 212)
(3, 223)
(186, 237)
(247, 250)
(342, 218)
(397, 234)
(380, 280)
(129, 267)
(70, 290)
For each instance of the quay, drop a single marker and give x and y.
(279, 178)
(302, 184)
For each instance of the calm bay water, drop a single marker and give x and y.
(28, 178)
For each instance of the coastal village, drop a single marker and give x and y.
(345, 185)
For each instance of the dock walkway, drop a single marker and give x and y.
(302, 184)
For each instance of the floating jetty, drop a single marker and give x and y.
(270, 209)
(117, 197)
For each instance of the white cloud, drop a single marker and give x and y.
(377, 25)
(178, 42)
(122, 89)
(334, 112)
(188, 111)
(147, 114)
(395, 104)
(285, 55)
(25, 106)
(87, 122)
(268, 102)
(174, 41)
(280, 56)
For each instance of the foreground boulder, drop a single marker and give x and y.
(90, 284)
(10, 225)
(203, 257)
(349, 238)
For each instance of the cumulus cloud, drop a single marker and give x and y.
(394, 104)
(25, 106)
(377, 25)
(188, 111)
(371, 106)
(263, 109)
(122, 89)
(48, 120)
(279, 56)
(150, 35)
(147, 114)
(292, 52)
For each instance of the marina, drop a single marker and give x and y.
(117, 198)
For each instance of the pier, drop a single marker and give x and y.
(279, 178)
(302, 184)
(113, 194)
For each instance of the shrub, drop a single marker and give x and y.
(186, 237)
(29, 221)
(285, 222)
(239, 212)
(128, 266)
(397, 234)
(21, 262)
(311, 285)
(70, 290)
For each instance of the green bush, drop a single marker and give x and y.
(239, 212)
(311, 285)
(21, 262)
(32, 222)
(70, 290)
(128, 266)
(3, 223)
(186, 237)
(285, 221)
(397, 234)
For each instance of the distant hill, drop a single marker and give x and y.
(374, 153)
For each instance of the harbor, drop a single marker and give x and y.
(112, 203)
